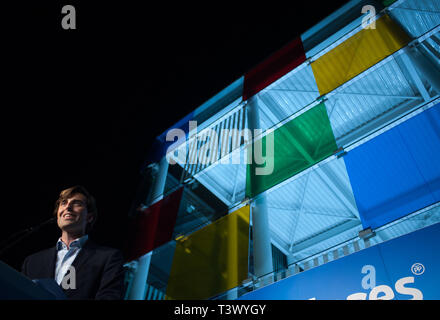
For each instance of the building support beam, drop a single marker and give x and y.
(424, 65)
(137, 290)
(260, 216)
(307, 244)
(338, 188)
(414, 75)
(138, 287)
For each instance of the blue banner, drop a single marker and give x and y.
(405, 268)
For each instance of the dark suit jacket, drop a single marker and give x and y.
(99, 271)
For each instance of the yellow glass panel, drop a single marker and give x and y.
(358, 53)
(212, 260)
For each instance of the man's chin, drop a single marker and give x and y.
(71, 227)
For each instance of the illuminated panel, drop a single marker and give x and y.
(153, 226)
(358, 53)
(212, 260)
(160, 145)
(297, 145)
(273, 68)
(397, 172)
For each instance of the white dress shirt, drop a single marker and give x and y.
(66, 256)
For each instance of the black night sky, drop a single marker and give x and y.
(85, 104)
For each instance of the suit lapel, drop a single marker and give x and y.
(51, 262)
(85, 254)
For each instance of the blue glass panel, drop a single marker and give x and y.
(397, 172)
(160, 146)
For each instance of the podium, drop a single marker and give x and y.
(15, 286)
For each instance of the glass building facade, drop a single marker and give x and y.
(328, 147)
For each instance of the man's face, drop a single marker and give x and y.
(72, 215)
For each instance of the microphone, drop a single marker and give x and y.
(20, 235)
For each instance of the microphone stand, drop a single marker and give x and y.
(20, 235)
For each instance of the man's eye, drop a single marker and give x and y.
(78, 203)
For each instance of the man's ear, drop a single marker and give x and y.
(90, 217)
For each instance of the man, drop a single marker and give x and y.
(82, 268)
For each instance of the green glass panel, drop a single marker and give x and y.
(297, 145)
(212, 260)
(386, 3)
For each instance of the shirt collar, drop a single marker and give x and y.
(77, 243)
